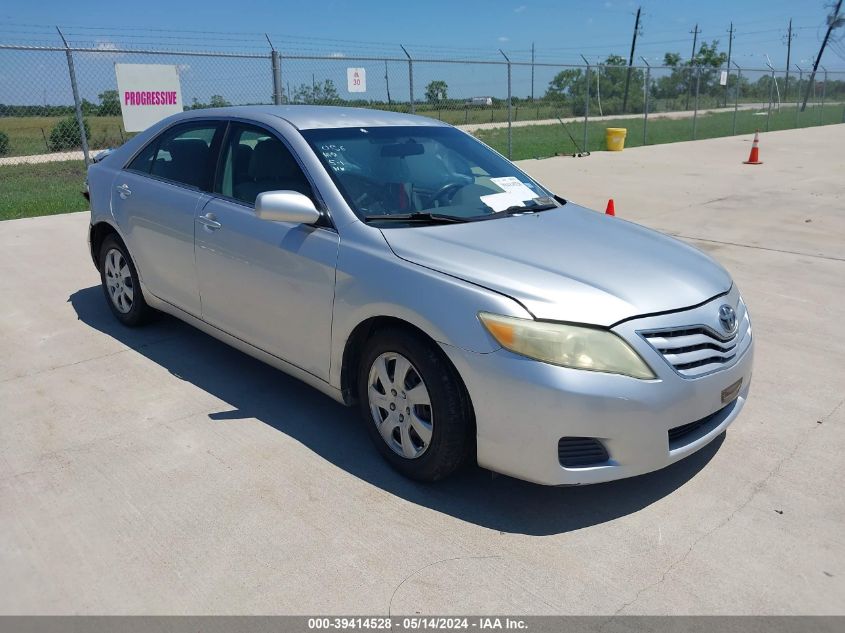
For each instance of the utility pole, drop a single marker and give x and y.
(532, 72)
(730, 49)
(834, 20)
(695, 33)
(789, 37)
(631, 61)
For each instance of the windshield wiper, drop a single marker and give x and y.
(422, 217)
(524, 208)
(519, 209)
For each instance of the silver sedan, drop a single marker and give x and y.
(398, 264)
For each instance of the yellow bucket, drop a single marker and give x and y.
(615, 138)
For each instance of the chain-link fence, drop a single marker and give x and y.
(62, 103)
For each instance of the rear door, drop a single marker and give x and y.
(270, 284)
(155, 199)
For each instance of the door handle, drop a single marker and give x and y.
(124, 191)
(209, 221)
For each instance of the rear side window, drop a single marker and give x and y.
(183, 154)
(144, 160)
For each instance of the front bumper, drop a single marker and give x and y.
(523, 407)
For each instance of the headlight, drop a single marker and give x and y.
(572, 346)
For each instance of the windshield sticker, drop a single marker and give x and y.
(513, 186)
(503, 201)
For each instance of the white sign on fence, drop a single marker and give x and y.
(356, 79)
(723, 80)
(148, 94)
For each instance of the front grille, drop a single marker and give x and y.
(580, 451)
(696, 350)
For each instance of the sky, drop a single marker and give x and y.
(561, 32)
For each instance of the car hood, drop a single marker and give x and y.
(568, 264)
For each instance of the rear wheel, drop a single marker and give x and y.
(414, 405)
(120, 284)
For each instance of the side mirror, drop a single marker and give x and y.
(286, 206)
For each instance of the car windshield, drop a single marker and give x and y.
(423, 172)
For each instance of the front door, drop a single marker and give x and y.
(270, 284)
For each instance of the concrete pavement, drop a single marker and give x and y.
(158, 471)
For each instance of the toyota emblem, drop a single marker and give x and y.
(727, 318)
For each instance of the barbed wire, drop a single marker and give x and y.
(172, 39)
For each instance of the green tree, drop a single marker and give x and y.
(65, 134)
(681, 81)
(612, 75)
(709, 60)
(109, 103)
(436, 91)
(318, 93)
(88, 108)
(672, 59)
(567, 84)
(217, 101)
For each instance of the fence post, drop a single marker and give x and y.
(771, 97)
(510, 118)
(736, 94)
(276, 64)
(824, 89)
(76, 101)
(798, 102)
(695, 112)
(586, 102)
(283, 98)
(645, 99)
(410, 77)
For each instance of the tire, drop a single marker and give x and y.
(121, 287)
(420, 451)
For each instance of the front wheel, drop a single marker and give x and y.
(414, 404)
(120, 284)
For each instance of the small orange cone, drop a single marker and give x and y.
(754, 157)
(611, 208)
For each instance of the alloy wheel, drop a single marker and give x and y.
(119, 281)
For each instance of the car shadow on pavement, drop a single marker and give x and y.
(335, 433)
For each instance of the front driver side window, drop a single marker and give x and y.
(255, 161)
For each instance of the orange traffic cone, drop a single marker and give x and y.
(611, 208)
(754, 157)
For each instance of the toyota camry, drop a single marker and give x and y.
(399, 265)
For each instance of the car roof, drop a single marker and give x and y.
(309, 117)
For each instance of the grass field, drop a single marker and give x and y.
(540, 141)
(458, 114)
(48, 188)
(29, 135)
(42, 189)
